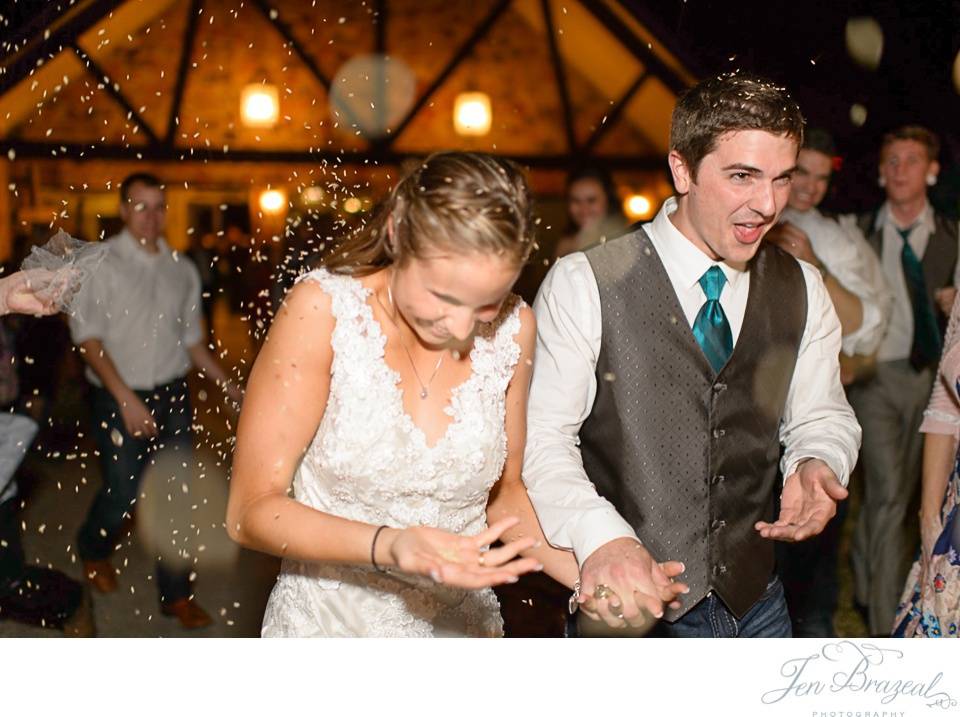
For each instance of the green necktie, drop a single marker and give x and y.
(927, 343)
(711, 328)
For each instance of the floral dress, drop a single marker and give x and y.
(370, 462)
(930, 606)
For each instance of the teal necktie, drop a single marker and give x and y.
(927, 344)
(711, 328)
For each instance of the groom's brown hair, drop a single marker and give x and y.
(729, 103)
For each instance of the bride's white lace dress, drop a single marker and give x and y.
(370, 462)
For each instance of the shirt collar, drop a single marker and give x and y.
(686, 261)
(132, 248)
(925, 219)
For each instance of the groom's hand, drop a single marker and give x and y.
(808, 503)
(636, 582)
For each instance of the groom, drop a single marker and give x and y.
(672, 365)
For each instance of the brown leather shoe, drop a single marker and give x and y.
(190, 615)
(101, 575)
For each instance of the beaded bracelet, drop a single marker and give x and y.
(373, 548)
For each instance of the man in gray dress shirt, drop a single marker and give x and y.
(672, 363)
(918, 249)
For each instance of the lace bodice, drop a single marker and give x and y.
(370, 462)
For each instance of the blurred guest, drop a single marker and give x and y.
(917, 248)
(139, 329)
(852, 278)
(593, 210)
(860, 296)
(930, 605)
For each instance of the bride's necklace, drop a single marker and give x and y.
(424, 387)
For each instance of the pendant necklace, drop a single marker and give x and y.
(423, 386)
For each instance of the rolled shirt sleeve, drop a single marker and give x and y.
(818, 422)
(90, 311)
(573, 515)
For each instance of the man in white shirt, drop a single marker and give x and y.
(918, 250)
(854, 280)
(139, 330)
(671, 364)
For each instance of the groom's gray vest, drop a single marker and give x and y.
(687, 456)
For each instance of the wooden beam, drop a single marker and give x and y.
(465, 49)
(102, 77)
(613, 115)
(380, 27)
(161, 153)
(560, 76)
(666, 35)
(635, 45)
(288, 37)
(186, 54)
(36, 53)
(305, 58)
(32, 29)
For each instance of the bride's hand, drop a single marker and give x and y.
(459, 561)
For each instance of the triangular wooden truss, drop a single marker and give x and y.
(54, 31)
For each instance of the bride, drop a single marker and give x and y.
(381, 438)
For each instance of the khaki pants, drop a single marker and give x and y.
(890, 410)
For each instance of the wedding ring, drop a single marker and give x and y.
(602, 592)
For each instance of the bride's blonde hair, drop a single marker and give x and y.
(458, 201)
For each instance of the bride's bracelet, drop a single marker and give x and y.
(373, 551)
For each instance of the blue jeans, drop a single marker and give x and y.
(768, 617)
(122, 469)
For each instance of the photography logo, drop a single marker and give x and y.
(879, 678)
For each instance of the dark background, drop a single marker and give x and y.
(802, 46)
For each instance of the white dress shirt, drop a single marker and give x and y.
(856, 268)
(817, 423)
(898, 340)
(144, 308)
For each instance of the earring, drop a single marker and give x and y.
(931, 180)
(881, 182)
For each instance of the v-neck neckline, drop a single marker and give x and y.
(451, 406)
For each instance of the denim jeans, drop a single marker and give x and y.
(768, 617)
(122, 469)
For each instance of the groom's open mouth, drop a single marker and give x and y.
(748, 232)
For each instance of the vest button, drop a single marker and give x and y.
(717, 524)
(719, 433)
(719, 569)
(719, 387)
(717, 479)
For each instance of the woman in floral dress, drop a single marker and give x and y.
(930, 606)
